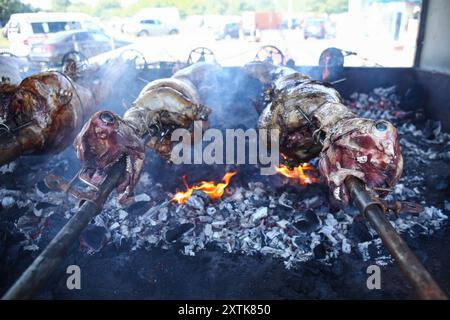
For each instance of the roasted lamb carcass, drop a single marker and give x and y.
(313, 121)
(44, 112)
(162, 106)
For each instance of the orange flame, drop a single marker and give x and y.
(305, 173)
(214, 191)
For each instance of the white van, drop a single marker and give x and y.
(153, 22)
(24, 29)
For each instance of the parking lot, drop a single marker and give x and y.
(236, 52)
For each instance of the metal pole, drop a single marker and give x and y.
(411, 267)
(52, 256)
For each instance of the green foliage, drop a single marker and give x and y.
(60, 5)
(325, 6)
(110, 8)
(8, 7)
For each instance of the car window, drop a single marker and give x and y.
(73, 25)
(37, 27)
(57, 26)
(53, 27)
(14, 27)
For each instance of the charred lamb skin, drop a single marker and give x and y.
(162, 106)
(313, 121)
(44, 112)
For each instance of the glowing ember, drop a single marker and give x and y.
(304, 173)
(214, 191)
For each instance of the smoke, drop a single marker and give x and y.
(231, 95)
(10, 69)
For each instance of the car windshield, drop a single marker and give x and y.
(368, 33)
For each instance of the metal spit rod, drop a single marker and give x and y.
(53, 255)
(411, 267)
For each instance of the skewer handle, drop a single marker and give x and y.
(411, 267)
(53, 255)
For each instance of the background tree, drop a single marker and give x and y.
(8, 7)
(61, 5)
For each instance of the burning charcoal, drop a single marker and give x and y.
(151, 213)
(367, 250)
(94, 238)
(309, 222)
(124, 230)
(28, 222)
(122, 214)
(260, 214)
(172, 235)
(8, 168)
(237, 196)
(162, 215)
(31, 247)
(313, 202)
(211, 210)
(327, 231)
(259, 192)
(41, 188)
(39, 208)
(442, 185)
(432, 129)
(346, 247)
(300, 242)
(208, 230)
(418, 229)
(196, 202)
(114, 226)
(282, 223)
(330, 220)
(284, 201)
(320, 251)
(205, 219)
(270, 250)
(142, 198)
(219, 224)
(360, 232)
(8, 202)
(447, 205)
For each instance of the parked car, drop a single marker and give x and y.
(89, 44)
(229, 30)
(148, 27)
(314, 28)
(295, 24)
(25, 29)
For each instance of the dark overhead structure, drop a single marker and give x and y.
(432, 63)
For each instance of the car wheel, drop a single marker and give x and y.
(173, 31)
(143, 33)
